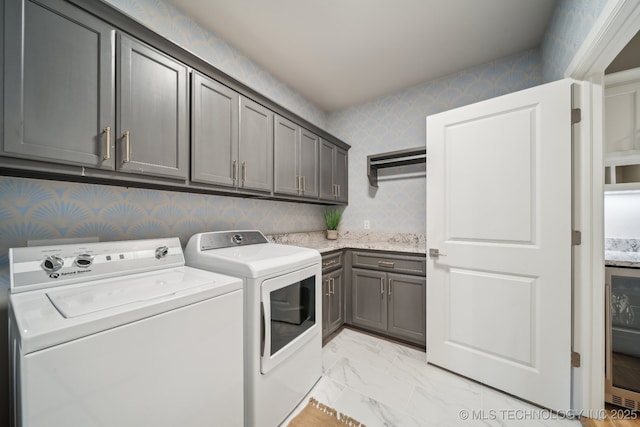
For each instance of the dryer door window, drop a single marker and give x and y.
(289, 314)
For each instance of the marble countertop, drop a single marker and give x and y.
(622, 259)
(395, 242)
(622, 252)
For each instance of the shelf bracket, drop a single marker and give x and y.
(411, 156)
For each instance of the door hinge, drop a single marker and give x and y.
(575, 359)
(576, 238)
(576, 115)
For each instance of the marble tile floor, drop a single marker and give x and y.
(381, 383)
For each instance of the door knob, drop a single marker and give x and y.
(435, 253)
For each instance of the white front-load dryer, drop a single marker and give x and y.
(283, 316)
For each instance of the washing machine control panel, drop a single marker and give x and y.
(46, 266)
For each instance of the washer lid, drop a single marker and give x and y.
(90, 299)
(48, 317)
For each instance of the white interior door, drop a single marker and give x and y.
(499, 212)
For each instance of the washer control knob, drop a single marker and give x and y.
(84, 260)
(52, 263)
(162, 252)
(237, 238)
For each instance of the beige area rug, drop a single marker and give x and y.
(317, 414)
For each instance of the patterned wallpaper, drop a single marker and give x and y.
(34, 209)
(568, 28)
(397, 121)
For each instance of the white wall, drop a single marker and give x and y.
(622, 215)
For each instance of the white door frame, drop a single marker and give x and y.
(618, 22)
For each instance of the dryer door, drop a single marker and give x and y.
(291, 314)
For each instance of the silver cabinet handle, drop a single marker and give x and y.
(331, 286)
(390, 282)
(107, 137)
(304, 184)
(127, 147)
(298, 183)
(235, 173)
(382, 286)
(244, 172)
(328, 288)
(387, 264)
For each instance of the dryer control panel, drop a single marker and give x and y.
(227, 239)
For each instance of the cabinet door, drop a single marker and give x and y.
(336, 310)
(326, 303)
(407, 304)
(58, 84)
(308, 169)
(369, 302)
(327, 190)
(152, 101)
(256, 146)
(341, 174)
(214, 134)
(286, 156)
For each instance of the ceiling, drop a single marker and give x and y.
(339, 53)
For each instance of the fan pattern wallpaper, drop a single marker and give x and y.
(39, 209)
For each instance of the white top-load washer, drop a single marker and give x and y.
(283, 316)
(123, 334)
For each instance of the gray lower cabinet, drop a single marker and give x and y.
(333, 302)
(295, 159)
(333, 293)
(333, 173)
(388, 302)
(369, 301)
(406, 307)
(59, 83)
(153, 114)
(231, 138)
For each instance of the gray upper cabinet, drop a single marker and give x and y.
(232, 138)
(286, 154)
(89, 92)
(341, 174)
(309, 164)
(327, 189)
(58, 84)
(333, 173)
(296, 159)
(255, 152)
(214, 134)
(153, 115)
